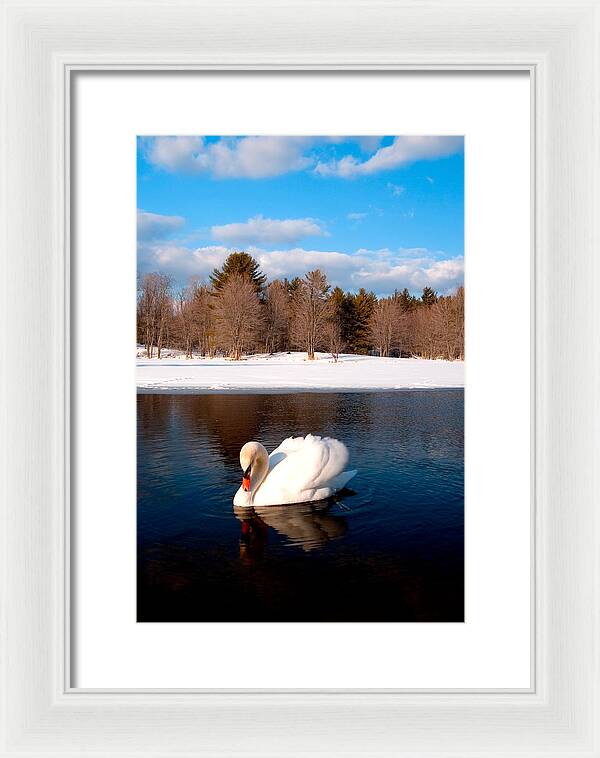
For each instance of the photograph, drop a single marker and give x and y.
(300, 376)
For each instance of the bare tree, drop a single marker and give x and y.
(193, 322)
(145, 315)
(383, 325)
(447, 325)
(435, 330)
(425, 339)
(203, 319)
(459, 322)
(164, 310)
(311, 312)
(334, 328)
(404, 332)
(182, 323)
(333, 337)
(277, 316)
(155, 310)
(238, 315)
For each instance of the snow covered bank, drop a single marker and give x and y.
(291, 372)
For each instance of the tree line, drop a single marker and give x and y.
(238, 313)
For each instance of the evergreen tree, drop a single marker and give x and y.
(293, 286)
(240, 264)
(406, 300)
(339, 309)
(363, 304)
(336, 300)
(429, 297)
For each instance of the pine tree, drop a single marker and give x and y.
(293, 285)
(337, 326)
(429, 296)
(337, 298)
(363, 304)
(241, 264)
(337, 301)
(406, 300)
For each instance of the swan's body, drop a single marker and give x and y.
(300, 470)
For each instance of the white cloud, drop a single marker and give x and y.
(443, 276)
(297, 261)
(180, 262)
(229, 157)
(442, 272)
(395, 189)
(177, 153)
(403, 150)
(154, 225)
(356, 216)
(382, 271)
(268, 156)
(369, 143)
(267, 231)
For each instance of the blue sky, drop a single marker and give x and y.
(379, 212)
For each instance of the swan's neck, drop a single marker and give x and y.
(260, 469)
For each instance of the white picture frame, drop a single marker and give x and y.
(44, 43)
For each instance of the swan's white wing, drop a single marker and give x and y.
(302, 469)
(308, 462)
(291, 444)
(341, 480)
(287, 447)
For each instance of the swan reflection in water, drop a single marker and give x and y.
(308, 525)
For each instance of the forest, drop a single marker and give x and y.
(239, 313)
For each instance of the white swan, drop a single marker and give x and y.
(300, 470)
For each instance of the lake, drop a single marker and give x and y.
(391, 548)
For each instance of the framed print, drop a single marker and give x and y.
(298, 383)
(411, 565)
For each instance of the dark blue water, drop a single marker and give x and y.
(389, 549)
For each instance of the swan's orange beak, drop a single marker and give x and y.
(246, 480)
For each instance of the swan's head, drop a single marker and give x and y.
(254, 461)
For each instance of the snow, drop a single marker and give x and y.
(292, 372)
